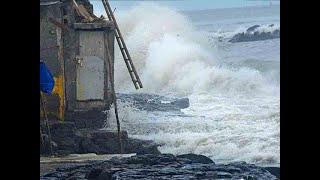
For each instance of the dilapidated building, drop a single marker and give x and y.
(74, 44)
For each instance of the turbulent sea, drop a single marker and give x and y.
(233, 88)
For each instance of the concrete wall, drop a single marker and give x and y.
(51, 52)
(58, 49)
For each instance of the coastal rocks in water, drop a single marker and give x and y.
(152, 102)
(162, 166)
(196, 158)
(252, 28)
(253, 33)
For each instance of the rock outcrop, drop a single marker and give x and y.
(253, 34)
(153, 102)
(66, 138)
(162, 166)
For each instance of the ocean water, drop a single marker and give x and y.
(233, 88)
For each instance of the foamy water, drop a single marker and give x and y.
(233, 89)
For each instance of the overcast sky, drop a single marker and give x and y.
(184, 4)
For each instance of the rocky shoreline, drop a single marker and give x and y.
(85, 136)
(67, 139)
(159, 166)
(148, 163)
(82, 132)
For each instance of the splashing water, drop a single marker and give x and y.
(234, 110)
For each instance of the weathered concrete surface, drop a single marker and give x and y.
(91, 119)
(163, 166)
(60, 29)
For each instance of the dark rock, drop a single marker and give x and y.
(153, 102)
(252, 34)
(274, 171)
(141, 146)
(87, 146)
(93, 119)
(94, 174)
(63, 138)
(181, 103)
(45, 145)
(252, 28)
(67, 139)
(223, 175)
(196, 158)
(105, 175)
(163, 166)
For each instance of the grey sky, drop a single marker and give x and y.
(184, 4)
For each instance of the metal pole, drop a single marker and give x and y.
(111, 78)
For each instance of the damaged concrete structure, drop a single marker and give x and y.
(73, 46)
(77, 47)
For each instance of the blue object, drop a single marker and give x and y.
(46, 79)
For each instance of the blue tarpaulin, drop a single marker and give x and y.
(46, 79)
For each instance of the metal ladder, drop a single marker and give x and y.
(123, 48)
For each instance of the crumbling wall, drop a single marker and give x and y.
(51, 54)
(59, 47)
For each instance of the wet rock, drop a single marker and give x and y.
(196, 158)
(223, 175)
(162, 166)
(274, 170)
(63, 138)
(252, 34)
(181, 103)
(141, 146)
(93, 119)
(69, 140)
(252, 28)
(105, 175)
(87, 145)
(153, 102)
(94, 174)
(45, 145)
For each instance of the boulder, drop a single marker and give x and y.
(67, 139)
(194, 158)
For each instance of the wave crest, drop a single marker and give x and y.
(170, 56)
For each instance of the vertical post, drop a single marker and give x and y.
(114, 98)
